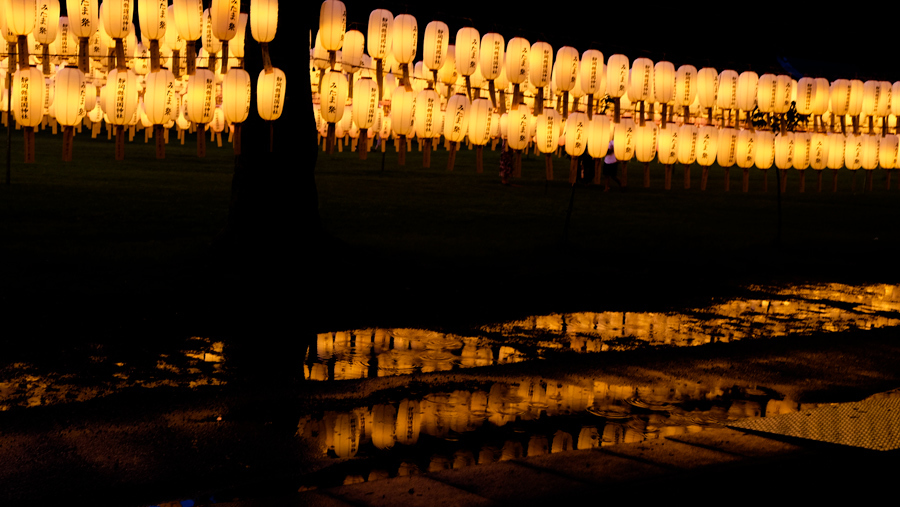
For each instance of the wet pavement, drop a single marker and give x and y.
(475, 429)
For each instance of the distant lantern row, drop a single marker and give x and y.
(483, 87)
(92, 68)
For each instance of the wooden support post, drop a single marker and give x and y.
(668, 184)
(745, 181)
(687, 176)
(646, 174)
(704, 176)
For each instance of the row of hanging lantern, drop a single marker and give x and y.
(93, 69)
(682, 115)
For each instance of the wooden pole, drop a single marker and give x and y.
(727, 178)
(834, 180)
(687, 176)
(573, 170)
(704, 175)
(548, 166)
(451, 157)
(745, 181)
(646, 174)
(668, 177)
(802, 181)
(479, 159)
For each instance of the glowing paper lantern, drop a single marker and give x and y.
(726, 151)
(47, 26)
(599, 133)
(726, 95)
(667, 146)
(806, 95)
(517, 52)
(435, 45)
(645, 142)
(707, 87)
(745, 149)
(352, 53)
(802, 150)
(492, 55)
(480, 116)
(116, 16)
(837, 144)
(766, 93)
(83, 16)
(200, 96)
(747, 89)
(592, 75)
(188, 18)
(379, 33)
(152, 17)
(547, 131)
(869, 155)
(687, 144)
(332, 24)
(784, 151)
(456, 121)
(576, 134)
(517, 134)
(888, 156)
(270, 92)
(853, 152)
(765, 149)
(818, 151)
(159, 97)
(623, 139)
(617, 75)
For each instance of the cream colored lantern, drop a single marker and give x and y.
(592, 76)
(364, 109)
(270, 93)
(623, 140)
(645, 142)
(468, 54)
(517, 134)
(435, 45)
(687, 144)
(404, 39)
(685, 89)
(667, 147)
(707, 89)
(617, 81)
(187, 16)
(547, 131)
(599, 134)
(540, 68)
(664, 88)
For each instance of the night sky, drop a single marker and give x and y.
(830, 43)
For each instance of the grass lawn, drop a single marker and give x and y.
(430, 239)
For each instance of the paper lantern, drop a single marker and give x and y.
(784, 150)
(402, 111)
(599, 133)
(211, 43)
(159, 97)
(365, 103)
(617, 75)
(121, 96)
(174, 41)
(707, 87)
(47, 21)
(379, 33)
(745, 149)
(640, 81)
(404, 37)
(664, 82)
(435, 45)
(456, 118)
(707, 145)
(352, 52)
(888, 155)
(426, 104)
(837, 144)
(818, 151)
(687, 144)
(765, 149)
(802, 150)
(623, 139)
(853, 152)
(645, 142)
(576, 133)
(116, 16)
(807, 88)
(784, 89)
(540, 64)
(895, 99)
(188, 19)
(592, 72)
(566, 67)
(685, 85)
(480, 117)
(65, 44)
(868, 155)
(726, 151)
(69, 100)
(821, 100)
(224, 17)
(447, 74)
(270, 93)
(468, 50)
(517, 135)
(152, 16)
(492, 55)
(83, 17)
(766, 93)
(726, 95)
(547, 131)
(667, 146)
(747, 90)
(333, 96)
(19, 16)
(332, 24)
(199, 97)
(517, 52)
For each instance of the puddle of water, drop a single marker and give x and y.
(799, 310)
(503, 421)
(358, 354)
(197, 361)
